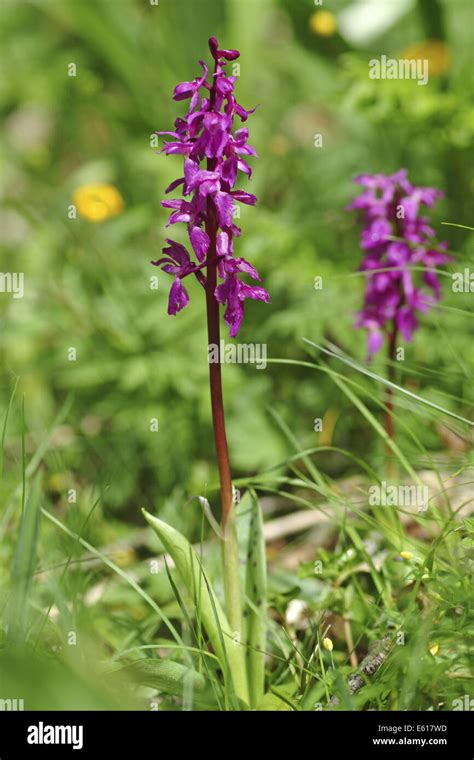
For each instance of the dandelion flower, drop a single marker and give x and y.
(96, 203)
(406, 555)
(323, 23)
(435, 52)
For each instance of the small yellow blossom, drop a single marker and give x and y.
(57, 481)
(98, 202)
(434, 51)
(434, 649)
(323, 23)
(327, 644)
(123, 557)
(406, 555)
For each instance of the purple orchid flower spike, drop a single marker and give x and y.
(390, 207)
(206, 134)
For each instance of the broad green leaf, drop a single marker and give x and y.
(229, 652)
(279, 698)
(167, 676)
(272, 703)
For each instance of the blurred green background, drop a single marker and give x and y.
(87, 285)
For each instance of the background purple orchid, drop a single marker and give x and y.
(390, 208)
(206, 134)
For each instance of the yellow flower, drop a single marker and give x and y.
(327, 644)
(58, 481)
(406, 555)
(323, 23)
(434, 51)
(98, 202)
(434, 649)
(123, 557)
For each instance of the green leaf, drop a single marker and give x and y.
(23, 563)
(188, 566)
(468, 523)
(278, 699)
(166, 675)
(256, 598)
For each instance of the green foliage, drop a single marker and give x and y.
(256, 600)
(205, 603)
(80, 449)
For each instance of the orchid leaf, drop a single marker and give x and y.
(191, 573)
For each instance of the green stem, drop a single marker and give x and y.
(232, 586)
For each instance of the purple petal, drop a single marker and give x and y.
(240, 265)
(223, 244)
(225, 208)
(253, 291)
(178, 297)
(173, 148)
(199, 241)
(174, 184)
(177, 252)
(229, 55)
(183, 90)
(406, 322)
(233, 318)
(229, 170)
(374, 342)
(243, 197)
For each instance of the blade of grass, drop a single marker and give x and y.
(256, 610)
(354, 365)
(116, 569)
(5, 423)
(23, 564)
(34, 463)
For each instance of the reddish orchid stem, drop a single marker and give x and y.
(215, 375)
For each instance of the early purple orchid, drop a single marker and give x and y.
(390, 208)
(207, 208)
